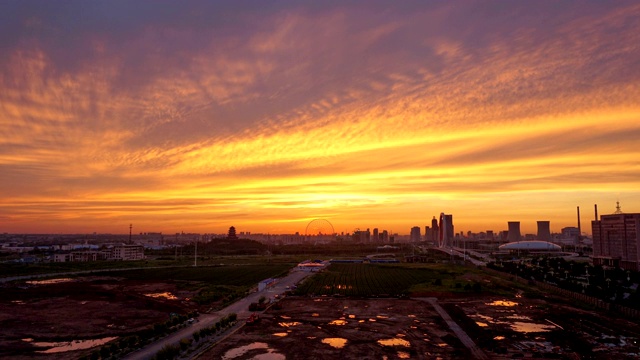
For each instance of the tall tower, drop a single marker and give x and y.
(415, 234)
(434, 230)
(446, 230)
(544, 233)
(514, 231)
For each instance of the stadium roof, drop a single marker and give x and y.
(533, 245)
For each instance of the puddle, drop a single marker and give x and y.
(315, 314)
(498, 337)
(519, 317)
(338, 322)
(382, 317)
(281, 334)
(165, 295)
(372, 320)
(442, 345)
(311, 337)
(285, 317)
(64, 346)
(337, 343)
(411, 316)
(361, 321)
(49, 281)
(394, 342)
(481, 324)
(289, 324)
(525, 327)
(240, 351)
(403, 355)
(352, 316)
(502, 303)
(17, 302)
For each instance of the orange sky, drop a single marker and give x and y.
(368, 114)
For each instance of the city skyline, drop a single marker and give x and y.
(198, 116)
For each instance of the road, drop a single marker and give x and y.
(460, 333)
(240, 307)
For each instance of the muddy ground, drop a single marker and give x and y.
(79, 309)
(504, 328)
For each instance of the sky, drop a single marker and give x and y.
(196, 116)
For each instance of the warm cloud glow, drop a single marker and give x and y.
(265, 120)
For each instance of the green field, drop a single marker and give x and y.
(371, 280)
(235, 275)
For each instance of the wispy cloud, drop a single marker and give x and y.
(375, 118)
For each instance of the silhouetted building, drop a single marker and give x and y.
(376, 236)
(445, 230)
(232, 233)
(571, 232)
(415, 234)
(514, 231)
(616, 240)
(434, 230)
(544, 232)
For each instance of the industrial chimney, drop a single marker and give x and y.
(544, 233)
(514, 231)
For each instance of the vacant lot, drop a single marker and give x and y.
(40, 317)
(504, 328)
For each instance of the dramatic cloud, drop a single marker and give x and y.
(198, 116)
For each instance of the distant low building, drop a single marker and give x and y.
(127, 252)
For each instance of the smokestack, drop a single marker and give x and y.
(514, 231)
(595, 206)
(544, 233)
(579, 228)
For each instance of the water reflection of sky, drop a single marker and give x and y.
(49, 281)
(64, 346)
(337, 343)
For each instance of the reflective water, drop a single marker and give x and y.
(289, 324)
(165, 295)
(525, 327)
(337, 343)
(403, 355)
(49, 281)
(338, 322)
(64, 346)
(498, 337)
(281, 334)
(502, 303)
(315, 314)
(394, 342)
(240, 351)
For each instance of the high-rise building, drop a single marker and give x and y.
(544, 232)
(616, 240)
(445, 230)
(415, 234)
(514, 231)
(376, 237)
(434, 230)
